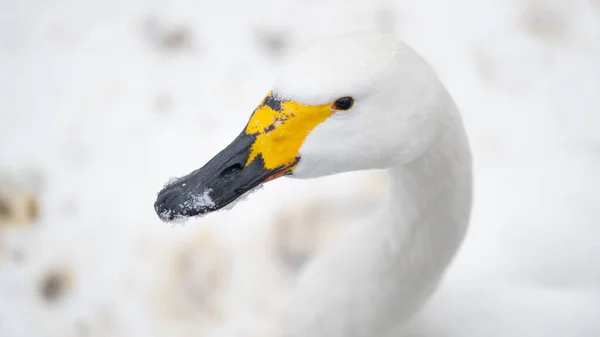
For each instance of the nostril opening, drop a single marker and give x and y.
(231, 170)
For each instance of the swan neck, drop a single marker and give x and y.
(427, 213)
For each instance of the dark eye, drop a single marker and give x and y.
(344, 103)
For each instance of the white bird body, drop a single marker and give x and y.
(384, 271)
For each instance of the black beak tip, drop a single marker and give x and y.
(165, 205)
(182, 201)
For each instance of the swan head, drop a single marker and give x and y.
(353, 102)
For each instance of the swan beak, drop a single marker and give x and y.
(235, 170)
(267, 149)
(226, 177)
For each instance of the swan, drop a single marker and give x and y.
(358, 101)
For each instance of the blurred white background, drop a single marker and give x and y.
(102, 101)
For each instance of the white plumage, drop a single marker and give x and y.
(403, 120)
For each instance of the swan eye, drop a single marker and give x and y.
(344, 103)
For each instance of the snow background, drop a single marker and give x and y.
(102, 101)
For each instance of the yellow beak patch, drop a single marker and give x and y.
(281, 127)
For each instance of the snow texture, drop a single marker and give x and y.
(193, 202)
